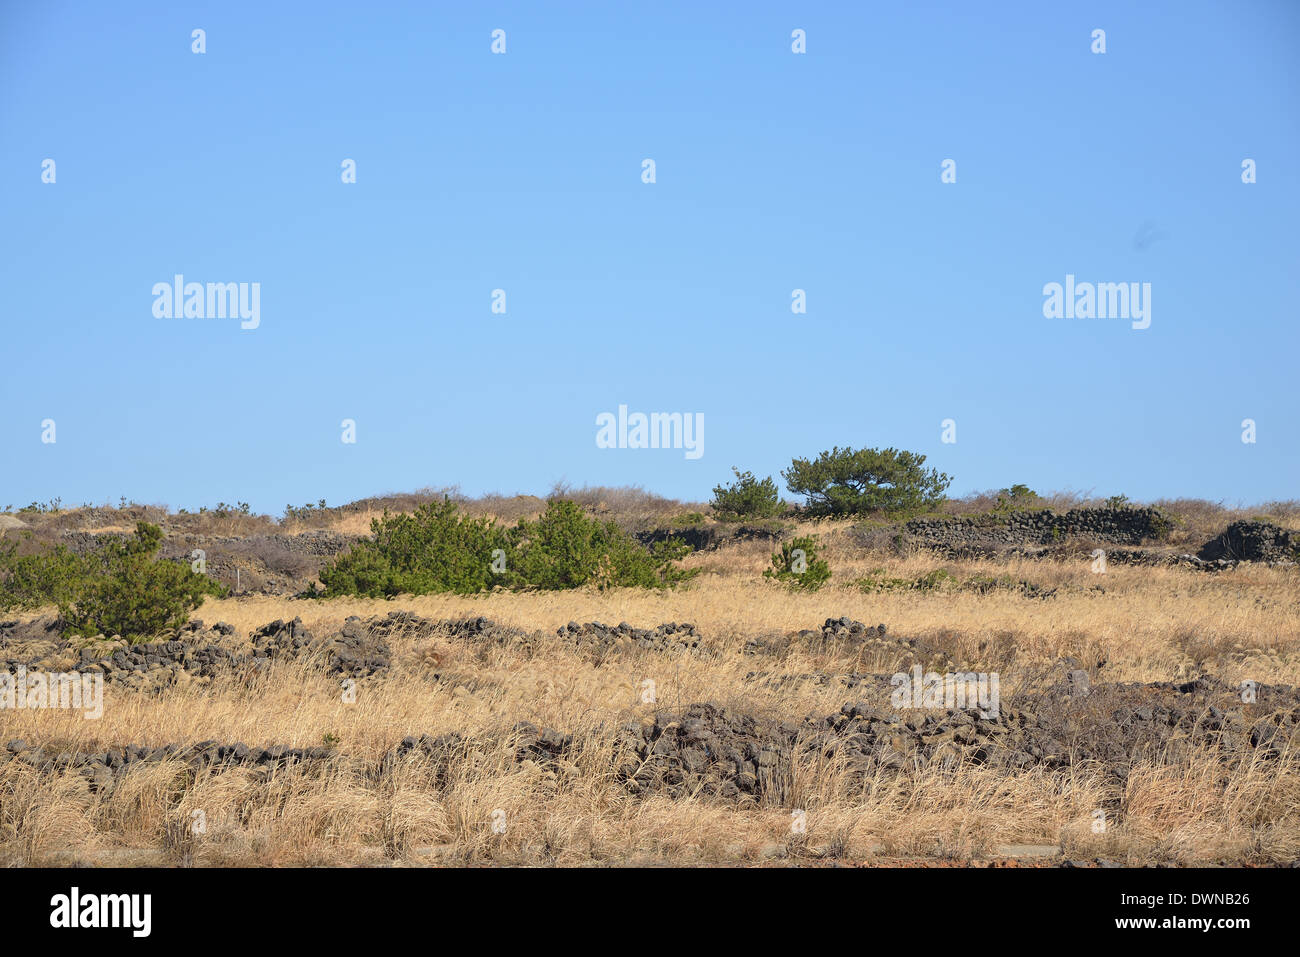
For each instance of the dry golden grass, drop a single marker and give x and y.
(1146, 624)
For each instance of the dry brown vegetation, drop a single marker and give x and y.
(1138, 624)
(635, 508)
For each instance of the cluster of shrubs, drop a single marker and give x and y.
(839, 483)
(51, 507)
(122, 587)
(438, 548)
(302, 513)
(119, 588)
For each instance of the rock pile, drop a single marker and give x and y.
(873, 644)
(709, 537)
(526, 740)
(669, 637)
(102, 768)
(1116, 725)
(845, 630)
(355, 652)
(197, 653)
(721, 753)
(39, 646)
(1155, 558)
(1252, 542)
(319, 543)
(358, 649)
(1030, 535)
(484, 629)
(708, 750)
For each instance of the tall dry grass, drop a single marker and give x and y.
(1138, 623)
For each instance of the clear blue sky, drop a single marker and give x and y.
(522, 171)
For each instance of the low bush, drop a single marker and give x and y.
(120, 588)
(1018, 498)
(747, 497)
(798, 566)
(437, 548)
(565, 548)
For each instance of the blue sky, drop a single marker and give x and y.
(774, 171)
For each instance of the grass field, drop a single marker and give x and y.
(1131, 624)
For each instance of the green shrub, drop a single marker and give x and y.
(747, 497)
(798, 566)
(47, 578)
(433, 549)
(848, 482)
(121, 588)
(1018, 498)
(1163, 525)
(565, 548)
(437, 549)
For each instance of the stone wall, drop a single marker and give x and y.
(1122, 526)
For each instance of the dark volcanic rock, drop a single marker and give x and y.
(1123, 526)
(874, 645)
(707, 750)
(708, 537)
(1252, 542)
(669, 637)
